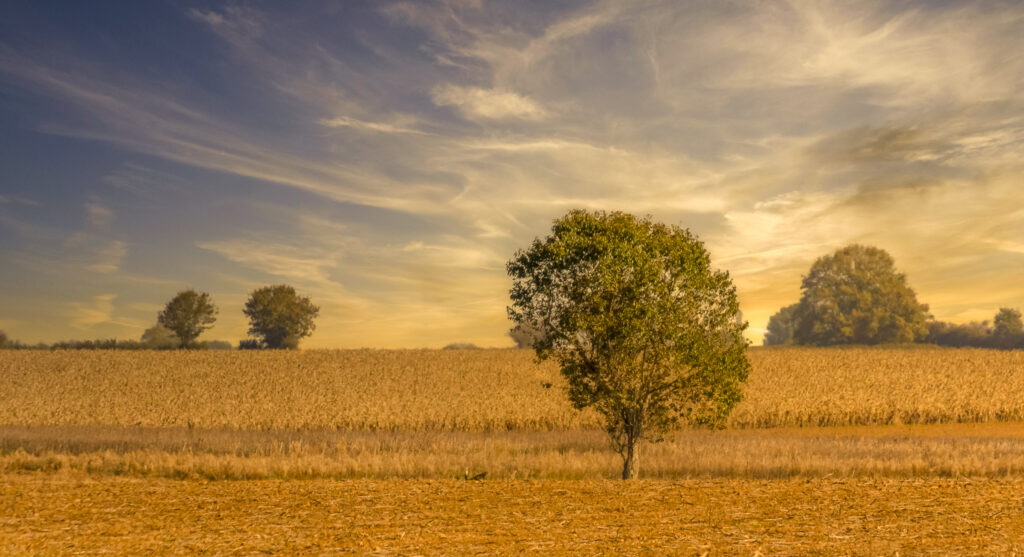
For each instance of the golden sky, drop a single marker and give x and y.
(387, 158)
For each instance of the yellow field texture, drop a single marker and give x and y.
(479, 390)
(991, 450)
(42, 514)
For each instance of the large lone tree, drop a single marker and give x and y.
(279, 317)
(644, 330)
(856, 296)
(188, 314)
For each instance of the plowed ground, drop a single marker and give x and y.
(61, 514)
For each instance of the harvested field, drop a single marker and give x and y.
(52, 514)
(480, 390)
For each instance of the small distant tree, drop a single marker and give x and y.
(249, 344)
(1007, 322)
(461, 346)
(856, 296)
(188, 314)
(782, 326)
(644, 330)
(3, 340)
(525, 335)
(975, 333)
(159, 337)
(216, 345)
(279, 317)
(1008, 329)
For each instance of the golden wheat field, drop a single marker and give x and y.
(480, 390)
(449, 414)
(851, 451)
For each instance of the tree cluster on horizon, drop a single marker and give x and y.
(278, 319)
(1006, 332)
(856, 296)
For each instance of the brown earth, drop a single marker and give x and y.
(61, 514)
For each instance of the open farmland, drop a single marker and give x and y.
(919, 451)
(448, 414)
(839, 451)
(480, 390)
(42, 515)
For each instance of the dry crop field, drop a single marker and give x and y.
(839, 451)
(480, 390)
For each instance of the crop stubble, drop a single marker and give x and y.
(44, 514)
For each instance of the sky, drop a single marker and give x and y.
(388, 158)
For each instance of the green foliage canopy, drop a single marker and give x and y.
(279, 317)
(1007, 323)
(782, 326)
(856, 296)
(525, 335)
(644, 330)
(159, 337)
(188, 314)
(1008, 329)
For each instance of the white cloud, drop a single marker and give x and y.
(108, 258)
(236, 24)
(145, 119)
(453, 256)
(17, 200)
(382, 127)
(98, 311)
(475, 102)
(211, 17)
(99, 217)
(296, 262)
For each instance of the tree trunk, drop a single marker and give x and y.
(631, 459)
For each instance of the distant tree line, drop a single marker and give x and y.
(278, 319)
(1006, 332)
(856, 296)
(109, 344)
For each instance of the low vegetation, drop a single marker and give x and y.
(947, 450)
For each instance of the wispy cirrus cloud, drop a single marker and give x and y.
(97, 311)
(383, 127)
(408, 149)
(288, 261)
(475, 102)
(17, 200)
(139, 117)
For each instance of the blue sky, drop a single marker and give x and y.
(387, 158)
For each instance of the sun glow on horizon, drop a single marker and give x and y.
(387, 159)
